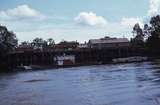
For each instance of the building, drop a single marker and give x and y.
(65, 45)
(108, 42)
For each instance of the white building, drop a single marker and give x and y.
(63, 60)
(108, 42)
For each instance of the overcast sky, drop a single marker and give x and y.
(75, 19)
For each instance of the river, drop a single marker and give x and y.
(120, 84)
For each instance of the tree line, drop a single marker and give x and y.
(39, 43)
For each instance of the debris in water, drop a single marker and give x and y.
(37, 80)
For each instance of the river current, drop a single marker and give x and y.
(112, 84)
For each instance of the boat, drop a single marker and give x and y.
(24, 68)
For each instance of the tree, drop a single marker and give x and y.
(8, 42)
(153, 41)
(39, 43)
(25, 43)
(138, 40)
(50, 42)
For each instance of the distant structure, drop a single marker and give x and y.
(66, 45)
(64, 60)
(83, 46)
(108, 42)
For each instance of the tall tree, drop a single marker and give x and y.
(138, 40)
(8, 43)
(153, 41)
(8, 40)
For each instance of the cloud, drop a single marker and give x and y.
(72, 32)
(154, 6)
(90, 19)
(22, 12)
(75, 32)
(130, 22)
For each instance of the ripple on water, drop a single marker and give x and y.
(120, 84)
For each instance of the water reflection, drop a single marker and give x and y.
(120, 84)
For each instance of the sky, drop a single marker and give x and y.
(73, 20)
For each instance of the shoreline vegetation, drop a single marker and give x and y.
(44, 54)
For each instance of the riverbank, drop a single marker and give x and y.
(118, 61)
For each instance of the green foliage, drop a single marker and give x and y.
(8, 43)
(50, 42)
(39, 43)
(153, 41)
(151, 31)
(8, 40)
(138, 40)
